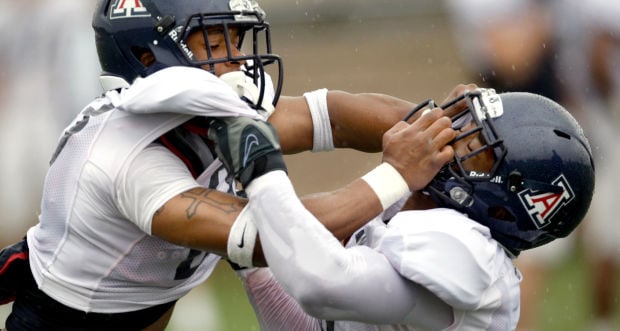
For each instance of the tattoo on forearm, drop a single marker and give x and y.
(199, 196)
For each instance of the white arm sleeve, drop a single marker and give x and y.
(329, 281)
(275, 310)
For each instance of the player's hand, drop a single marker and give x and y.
(456, 92)
(419, 150)
(451, 106)
(248, 148)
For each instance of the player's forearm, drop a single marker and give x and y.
(345, 210)
(360, 120)
(200, 218)
(348, 120)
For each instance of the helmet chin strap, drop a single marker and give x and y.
(246, 89)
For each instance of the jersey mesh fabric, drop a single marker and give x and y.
(63, 179)
(87, 254)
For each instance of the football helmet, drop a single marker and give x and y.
(125, 29)
(541, 182)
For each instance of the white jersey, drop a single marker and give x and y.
(456, 259)
(92, 249)
(424, 270)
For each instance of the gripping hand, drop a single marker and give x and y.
(248, 148)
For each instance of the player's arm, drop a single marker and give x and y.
(356, 121)
(206, 219)
(327, 280)
(202, 218)
(345, 120)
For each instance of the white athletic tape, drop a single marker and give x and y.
(242, 239)
(322, 136)
(388, 184)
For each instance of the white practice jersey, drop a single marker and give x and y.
(423, 270)
(92, 249)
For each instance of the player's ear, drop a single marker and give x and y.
(147, 59)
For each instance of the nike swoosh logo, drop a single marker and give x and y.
(250, 141)
(240, 245)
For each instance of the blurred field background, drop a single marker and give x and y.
(403, 48)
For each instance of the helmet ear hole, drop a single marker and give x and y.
(144, 55)
(501, 213)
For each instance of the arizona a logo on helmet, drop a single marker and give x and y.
(127, 9)
(542, 206)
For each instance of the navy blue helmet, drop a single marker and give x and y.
(542, 180)
(125, 29)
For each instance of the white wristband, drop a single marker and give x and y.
(322, 135)
(388, 184)
(242, 239)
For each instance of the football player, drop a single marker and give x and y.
(522, 176)
(137, 209)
